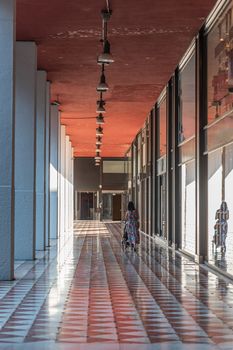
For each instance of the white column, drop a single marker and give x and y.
(54, 172)
(25, 150)
(47, 164)
(40, 159)
(71, 214)
(7, 42)
(67, 144)
(70, 188)
(59, 180)
(62, 179)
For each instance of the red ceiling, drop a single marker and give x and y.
(147, 38)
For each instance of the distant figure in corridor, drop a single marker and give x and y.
(132, 225)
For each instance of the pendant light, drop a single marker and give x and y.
(106, 56)
(103, 86)
(100, 105)
(99, 140)
(100, 119)
(99, 131)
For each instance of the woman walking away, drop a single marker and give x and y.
(132, 225)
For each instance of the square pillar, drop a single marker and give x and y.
(25, 150)
(62, 181)
(71, 214)
(67, 173)
(7, 43)
(59, 181)
(47, 164)
(40, 159)
(54, 121)
(201, 157)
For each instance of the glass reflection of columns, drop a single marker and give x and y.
(214, 195)
(188, 207)
(228, 182)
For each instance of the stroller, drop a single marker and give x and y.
(124, 241)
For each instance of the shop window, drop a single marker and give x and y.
(187, 101)
(219, 136)
(220, 226)
(186, 141)
(188, 217)
(114, 166)
(161, 168)
(162, 111)
(220, 67)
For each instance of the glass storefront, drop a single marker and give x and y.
(162, 111)
(139, 172)
(220, 207)
(188, 207)
(128, 170)
(219, 136)
(220, 67)
(134, 175)
(186, 141)
(162, 178)
(206, 168)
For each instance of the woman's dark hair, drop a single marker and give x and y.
(223, 206)
(131, 206)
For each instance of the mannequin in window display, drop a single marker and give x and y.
(221, 227)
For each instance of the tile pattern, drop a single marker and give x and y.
(196, 313)
(90, 293)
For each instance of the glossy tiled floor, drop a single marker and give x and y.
(90, 294)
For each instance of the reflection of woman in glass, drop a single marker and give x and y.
(221, 226)
(223, 212)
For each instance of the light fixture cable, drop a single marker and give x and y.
(104, 58)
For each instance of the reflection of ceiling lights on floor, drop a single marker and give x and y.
(104, 58)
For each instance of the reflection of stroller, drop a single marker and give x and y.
(124, 241)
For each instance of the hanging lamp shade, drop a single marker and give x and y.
(103, 86)
(105, 56)
(100, 106)
(98, 140)
(97, 158)
(100, 119)
(99, 131)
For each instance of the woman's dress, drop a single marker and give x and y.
(132, 226)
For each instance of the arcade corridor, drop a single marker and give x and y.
(115, 111)
(89, 294)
